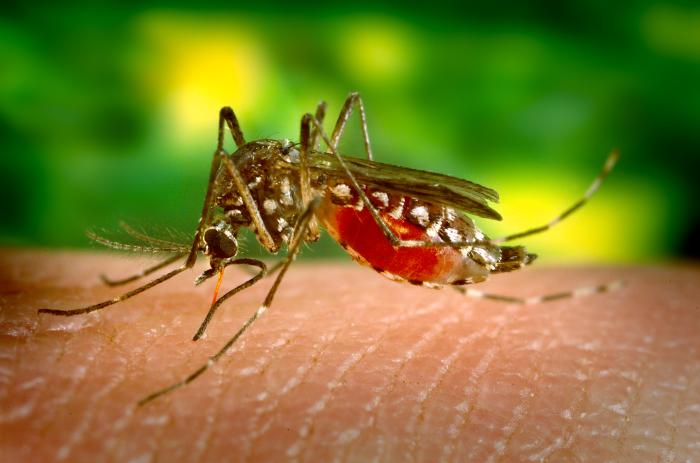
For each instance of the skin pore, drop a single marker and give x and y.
(348, 366)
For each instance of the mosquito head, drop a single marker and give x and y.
(220, 241)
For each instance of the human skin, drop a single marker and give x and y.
(348, 366)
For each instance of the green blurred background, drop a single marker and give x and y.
(110, 112)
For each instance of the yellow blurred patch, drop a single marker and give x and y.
(619, 223)
(375, 50)
(196, 64)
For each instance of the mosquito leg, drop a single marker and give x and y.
(295, 243)
(127, 295)
(578, 292)
(143, 273)
(252, 207)
(396, 242)
(320, 115)
(227, 116)
(609, 164)
(304, 174)
(354, 99)
(248, 283)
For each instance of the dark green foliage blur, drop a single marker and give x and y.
(109, 113)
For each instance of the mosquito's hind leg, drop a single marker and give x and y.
(298, 238)
(141, 274)
(609, 164)
(354, 99)
(578, 292)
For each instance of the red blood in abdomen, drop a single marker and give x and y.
(360, 233)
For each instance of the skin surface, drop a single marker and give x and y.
(348, 366)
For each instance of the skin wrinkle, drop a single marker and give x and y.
(160, 431)
(515, 424)
(261, 371)
(14, 358)
(128, 414)
(214, 413)
(421, 410)
(406, 315)
(100, 394)
(668, 454)
(428, 336)
(133, 411)
(307, 430)
(64, 399)
(694, 374)
(297, 381)
(217, 375)
(578, 406)
(65, 450)
(633, 404)
(472, 390)
(203, 442)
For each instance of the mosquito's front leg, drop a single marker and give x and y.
(226, 116)
(246, 284)
(142, 273)
(294, 246)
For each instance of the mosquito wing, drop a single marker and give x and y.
(435, 188)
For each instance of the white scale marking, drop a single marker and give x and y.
(270, 205)
(420, 213)
(382, 197)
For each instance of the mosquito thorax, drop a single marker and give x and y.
(270, 170)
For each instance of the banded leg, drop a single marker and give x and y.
(578, 292)
(307, 142)
(609, 164)
(226, 115)
(354, 99)
(297, 240)
(127, 295)
(320, 115)
(246, 284)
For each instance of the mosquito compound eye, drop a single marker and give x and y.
(220, 243)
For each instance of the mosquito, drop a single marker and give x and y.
(409, 225)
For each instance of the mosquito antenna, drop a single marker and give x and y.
(139, 235)
(134, 247)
